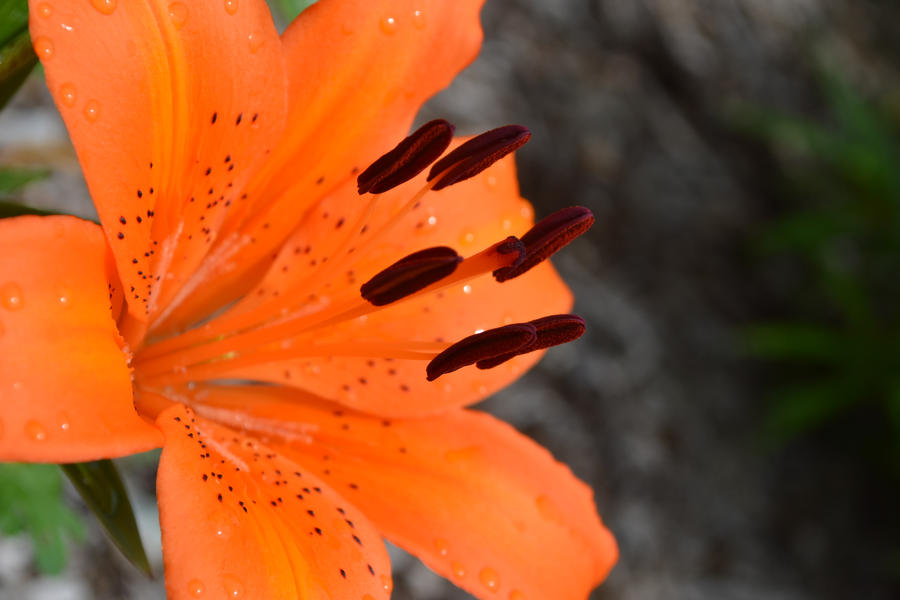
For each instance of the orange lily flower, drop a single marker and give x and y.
(223, 160)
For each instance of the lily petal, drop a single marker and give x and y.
(170, 106)
(358, 72)
(239, 520)
(467, 216)
(65, 386)
(478, 502)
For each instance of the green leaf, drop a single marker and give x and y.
(289, 9)
(12, 180)
(11, 209)
(803, 407)
(31, 501)
(795, 341)
(17, 57)
(13, 18)
(102, 489)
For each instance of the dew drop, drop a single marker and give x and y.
(44, 10)
(35, 431)
(43, 47)
(490, 579)
(388, 25)
(432, 221)
(105, 6)
(232, 586)
(442, 546)
(507, 224)
(516, 595)
(92, 110)
(178, 14)
(11, 296)
(419, 20)
(64, 421)
(196, 588)
(491, 181)
(458, 570)
(231, 6)
(467, 237)
(387, 583)
(64, 297)
(255, 42)
(223, 531)
(526, 211)
(549, 510)
(467, 289)
(67, 94)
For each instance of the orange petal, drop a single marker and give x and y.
(467, 216)
(358, 72)
(478, 502)
(239, 521)
(65, 386)
(155, 95)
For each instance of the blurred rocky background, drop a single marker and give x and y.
(736, 401)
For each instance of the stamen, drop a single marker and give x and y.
(476, 155)
(481, 346)
(548, 237)
(410, 274)
(407, 159)
(551, 331)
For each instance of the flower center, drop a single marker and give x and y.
(295, 324)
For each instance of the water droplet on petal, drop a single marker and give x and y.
(387, 583)
(526, 211)
(92, 110)
(67, 94)
(490, 579)
(64, 421)
(105, 6)
(388, 25)
(467, 237)
(419, 20)
(432, 221)
(231, 6)
(507, 224)
(232, 586)
(549, 510)
(516, 595)
(35, 431)
(467, 289)
(458, 570)
(178, 14)
(255, 41)
(11, 296)
(196, 588)
(491, 181)
(223, 531)
(44, 10)
(43, 47)
(442, 546)
(64, 297)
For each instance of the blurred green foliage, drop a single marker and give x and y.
(836, 239)
(286, 10)
(31, 501)
(17, 58)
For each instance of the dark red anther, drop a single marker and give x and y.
(476, 155)
(547, 237)
(511, 245)
(410, 274)
(407, 159)
(551, 331)
(481, 346)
